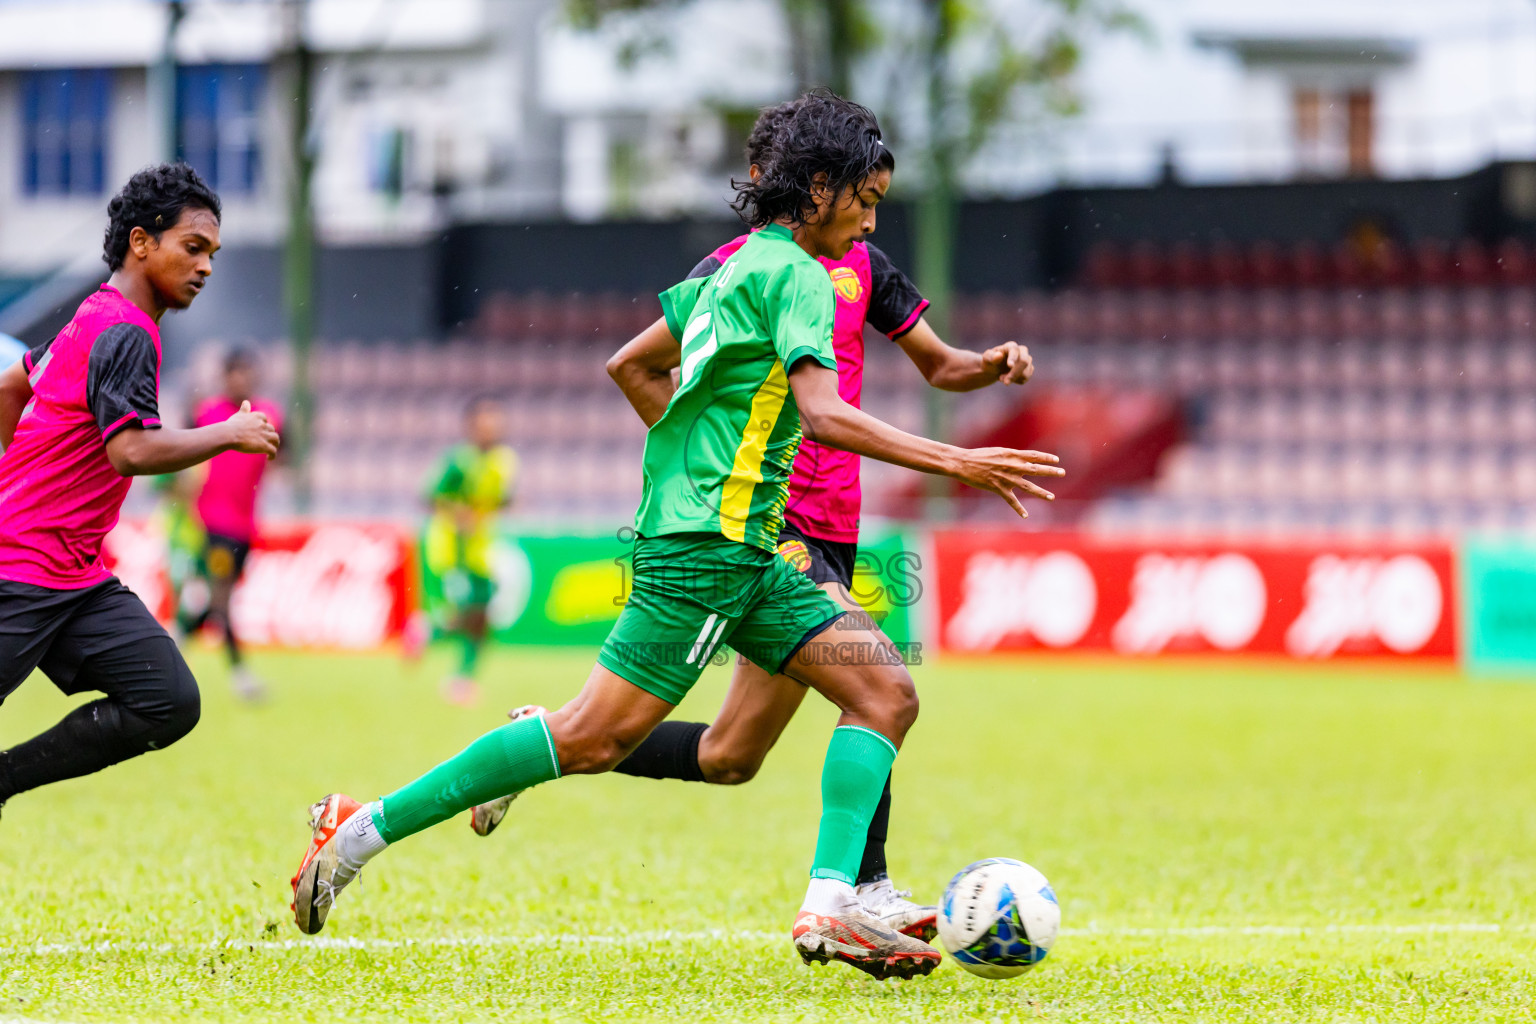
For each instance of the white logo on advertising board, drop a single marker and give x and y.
(1051, 597)
(1397, 601)
(332, 592)
(514, 579)
(1220, 600)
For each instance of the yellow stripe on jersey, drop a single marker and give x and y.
(747, 469)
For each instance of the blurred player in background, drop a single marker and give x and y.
(471, 489)
(820, 536)
(226, 509)
(79, 415)
(176, 520)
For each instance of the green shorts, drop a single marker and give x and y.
(465, 589)
(695, 593)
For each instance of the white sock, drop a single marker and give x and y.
(830, 897)
(358, 840)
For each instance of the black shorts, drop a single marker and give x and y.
(56, 630)
(224, 557)
(824, 561)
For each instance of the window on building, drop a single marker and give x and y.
(64, 129)
(1334, 129)
(218, 126)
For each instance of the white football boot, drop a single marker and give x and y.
(484, 818)
(891, 906)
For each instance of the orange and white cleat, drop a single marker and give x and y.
(484, 818)
(862, 942)
(320, 876)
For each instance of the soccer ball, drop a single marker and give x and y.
(998, 917)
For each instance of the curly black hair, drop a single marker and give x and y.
(760, 141)
(822, 134)
(153, 200)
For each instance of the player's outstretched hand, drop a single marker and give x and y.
(1005, 470)
(253, 432)
(1010, 361)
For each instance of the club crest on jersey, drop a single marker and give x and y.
(796, 554)
(845, 280)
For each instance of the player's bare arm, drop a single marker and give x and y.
(15, 393)
(643, 370)
(957, 369)
(829, 420)
(151, 452)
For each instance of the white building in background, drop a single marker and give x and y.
(423, 111)
(430, 111)
(1272, 90)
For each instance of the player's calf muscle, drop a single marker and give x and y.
(586, 752)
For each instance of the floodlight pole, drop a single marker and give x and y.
(299, 251)
(934, 230)
(162, 81)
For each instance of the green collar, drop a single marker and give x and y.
(778, 231)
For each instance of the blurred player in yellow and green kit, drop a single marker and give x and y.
(471, 488)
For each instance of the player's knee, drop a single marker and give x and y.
(898, 700)
(180, 710)
(907, 712)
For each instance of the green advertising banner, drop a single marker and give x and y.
(886, 582)
(569, 589)
(1499, 586)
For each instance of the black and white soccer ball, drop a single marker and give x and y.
(998, 917)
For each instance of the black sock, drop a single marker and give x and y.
(671, 751)
(152, 702)
(872, 869)
(90, 738)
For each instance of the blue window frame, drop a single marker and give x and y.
(64, 129)
(218, 124)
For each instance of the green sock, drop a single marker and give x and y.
(505, 760)
(469, 654)
(852, 779)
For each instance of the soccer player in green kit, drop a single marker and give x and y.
(756, 367)
(473, 485)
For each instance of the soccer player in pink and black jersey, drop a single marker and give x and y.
(79, 415)
(226, 505)
(820, 534)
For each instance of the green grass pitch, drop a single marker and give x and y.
(1231, 841)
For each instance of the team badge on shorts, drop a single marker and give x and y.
(221, 564)
(845, 281)
(795, 553)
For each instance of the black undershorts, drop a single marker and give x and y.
(224, 557)
(824, 561)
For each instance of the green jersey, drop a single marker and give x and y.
(480, 481)
(720, 457)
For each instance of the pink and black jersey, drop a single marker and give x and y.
(824, 493)
(227, 502)
(59, 495)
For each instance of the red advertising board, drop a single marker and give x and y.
(1001, 590)
(317, 585)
